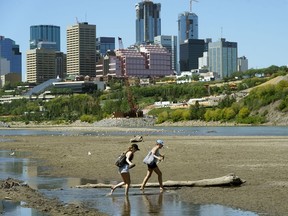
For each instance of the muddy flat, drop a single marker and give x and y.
(261, 161)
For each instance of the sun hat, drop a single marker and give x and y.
(160, 142)
(135, 146)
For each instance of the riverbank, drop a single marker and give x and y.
(261, 161)
(274, 120)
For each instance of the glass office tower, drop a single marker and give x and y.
(10, 51)
(223, 57)
(40, 34)
(103, 44)
(187, 26)
(148, 21)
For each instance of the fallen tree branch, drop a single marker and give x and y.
(228, 180)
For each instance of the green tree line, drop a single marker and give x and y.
(101, 104)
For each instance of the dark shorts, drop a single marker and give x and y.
(152, 166)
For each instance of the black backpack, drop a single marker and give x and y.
(121, 159)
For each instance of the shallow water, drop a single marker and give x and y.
(162, 131)
(150, 203)
(9, 208)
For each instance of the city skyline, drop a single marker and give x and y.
(257, 26)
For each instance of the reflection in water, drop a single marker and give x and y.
(9, 208)
(153, 206)
(126, 210)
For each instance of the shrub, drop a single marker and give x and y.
(87, 118)
(162, 117)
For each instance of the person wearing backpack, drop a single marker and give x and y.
(124, 169)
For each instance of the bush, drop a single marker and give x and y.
(252, 120)
(176, 115)
(87, 118)
(162, 117)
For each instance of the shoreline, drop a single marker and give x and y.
(261, 161)
(136, 123)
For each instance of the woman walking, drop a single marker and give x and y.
(124, 169)
(157, 157)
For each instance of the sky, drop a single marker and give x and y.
(258, 26)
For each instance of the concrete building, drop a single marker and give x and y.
(132, 63)
(44, 64)
(81, 50)
(158, 60)
(223, 57)
(143, 61)
(47, 34)
(203, 62)
(148, 21)
(170, 43)
(242, 64)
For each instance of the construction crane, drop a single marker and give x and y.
(191, 1)
(134, 110)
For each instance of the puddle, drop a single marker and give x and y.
(9, 208)
(150, 203)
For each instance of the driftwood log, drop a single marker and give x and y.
(137, 138)
(228, 180)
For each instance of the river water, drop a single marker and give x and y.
(149, 203)
(164, 131)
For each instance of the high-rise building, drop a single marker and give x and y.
(10, 59)
(45, 35)
(170, 43)
(190, 52)
(103, 44)
(45, 64)
(81, 50)
(223, 57)
(242, 64)
(203, 62)
(187, 26)
(148, 21)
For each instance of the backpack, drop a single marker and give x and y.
(120, 159)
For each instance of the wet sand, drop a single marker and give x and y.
(261, 161)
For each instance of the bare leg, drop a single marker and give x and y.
(159, 173)
(116, 186)
(148, 175)
(126, 182)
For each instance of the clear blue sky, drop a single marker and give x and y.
(258, 26)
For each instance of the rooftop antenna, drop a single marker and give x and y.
(191, 1)
(77, 20)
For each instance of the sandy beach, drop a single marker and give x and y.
(261, 161)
